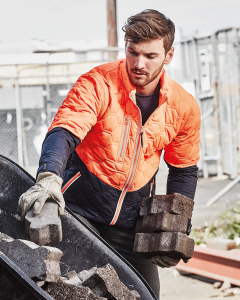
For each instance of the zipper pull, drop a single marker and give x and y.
(141, 138)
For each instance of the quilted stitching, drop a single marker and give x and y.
(174, 126)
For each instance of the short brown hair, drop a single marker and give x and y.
(148, 25)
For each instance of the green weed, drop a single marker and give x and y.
(226, 226)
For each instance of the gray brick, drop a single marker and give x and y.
(173, 244)
(171, 223)
(83, 275)
(45, 227)
(138, 227)
(104, 282)
(141, 242)
(72, 278)
(4, 242)
(36, 261)
(163, 221)
(136, 295)
(174, 203)
(146, 224)
(63, 291)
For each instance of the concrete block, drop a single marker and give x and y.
(104, 282)
(174, 203)
(217, 285)
(173, 244)
(221, 244)
(45, 227)
(83, 275)
(41, 262)
(72, 278)
(138, 226)
(4, 242)
(163, 221)
(71, 274)
(64, 291)
(226, 285)
(232, 292)
(40, 283)
(136, 295)
(141, 242)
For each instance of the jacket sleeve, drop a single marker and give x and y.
(57, 147)
(183, 150)
(83, 105)
(182, 180)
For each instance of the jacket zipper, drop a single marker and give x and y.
(139, 144)
(141, 133)
(124, 139)
(132, 172)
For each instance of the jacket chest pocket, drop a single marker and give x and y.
(124, 137)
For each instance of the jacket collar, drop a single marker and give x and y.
(131, 89)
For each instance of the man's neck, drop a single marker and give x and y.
(148, 89)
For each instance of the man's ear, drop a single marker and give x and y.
(169, 56)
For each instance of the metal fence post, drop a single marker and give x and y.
(236, 41)
(49, 117)
(198, 89)
(19, 119)
(215, 71)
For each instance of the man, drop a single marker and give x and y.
(107, 137)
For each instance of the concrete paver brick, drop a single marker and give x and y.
(104, 282)
(4, 242)
(72, 278)
(45, 227)
(63, 291)
(221, 243)
(136, 295)
(141, 242)
(173, 244)
(138, 226)
(174, 203)
(41, 262)
(162, 221)
(83, 275)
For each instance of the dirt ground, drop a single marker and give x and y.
(175, 286)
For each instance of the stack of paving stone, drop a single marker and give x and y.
(162, 227)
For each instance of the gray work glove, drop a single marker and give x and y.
(165, 261)
(48, 186)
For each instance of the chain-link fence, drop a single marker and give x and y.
(30, 95)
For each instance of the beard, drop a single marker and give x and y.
(148, 78)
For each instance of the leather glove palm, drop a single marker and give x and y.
(166, 261)
(48, 186)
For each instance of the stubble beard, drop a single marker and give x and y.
(140, 82)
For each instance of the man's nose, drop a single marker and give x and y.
(139, 62)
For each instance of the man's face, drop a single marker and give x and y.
(145, 61)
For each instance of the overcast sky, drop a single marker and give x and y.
(73, 20)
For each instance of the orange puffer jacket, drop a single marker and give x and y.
(101, 110)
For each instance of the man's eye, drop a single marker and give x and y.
(132, 52)
(150, 56)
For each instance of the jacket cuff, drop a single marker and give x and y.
(51, 167)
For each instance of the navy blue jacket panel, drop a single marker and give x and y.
(56, 150)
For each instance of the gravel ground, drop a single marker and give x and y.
(175, 286)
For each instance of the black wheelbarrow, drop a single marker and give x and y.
(82, 248)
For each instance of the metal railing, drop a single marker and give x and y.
(212, 62)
